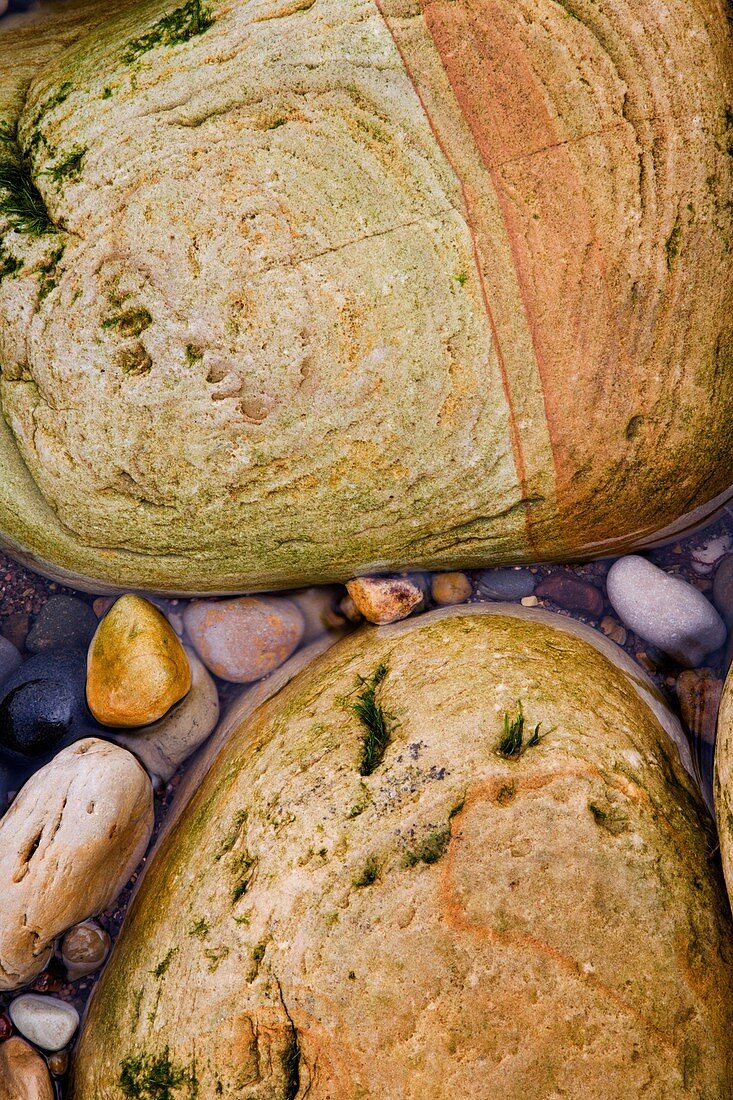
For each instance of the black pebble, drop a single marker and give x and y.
(43, 707)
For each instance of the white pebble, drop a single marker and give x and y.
(45, 1021)
(664, 610)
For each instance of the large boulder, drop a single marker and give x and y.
(383, 889)
(723, 780)
(309, 289)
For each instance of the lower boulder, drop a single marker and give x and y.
(457, 855)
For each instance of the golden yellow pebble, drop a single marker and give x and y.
(136, 666)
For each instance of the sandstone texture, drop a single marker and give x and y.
(23, 1073)
(385, 599)
(460, 918)
(723, 780)
(295, 306)
(136, 666)
(68, 844)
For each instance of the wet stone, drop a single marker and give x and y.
(699, 691)
(505, 584)
(58, 1063)
(15, 628)
(244, 639)
(448, 589)
(10, 659)
(723, 589)
(45, 1021)
(385, 599)
(572, 593)
(42, 706)
(664, 610)
(23, 1072)
(84, 948)
(63, 622)
(6, 1027)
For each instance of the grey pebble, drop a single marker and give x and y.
(10, 659)
(505, 584)
(664, 610)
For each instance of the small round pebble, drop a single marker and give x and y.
(613, 630)
(699, 692)
(664, 610)
(385, 599)
(45, 1021)
(6, 1028)
(448, 589)
(84, 948)
(58, 1063)
(63, 622)
(505, 584)
(42, 705)
(10, 659)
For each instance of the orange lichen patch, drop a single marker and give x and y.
(454, 903)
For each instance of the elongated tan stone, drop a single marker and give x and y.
(136, 666)
(23, 1073)
(313, 310)
(68, 844)
(460, 920)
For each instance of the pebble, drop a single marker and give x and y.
(84, 948)
(318, 607)
(664, 610)
(136, 666)
(505, 584)
(163, 746)
(42, 706)
(63, 622)
(23, 1072)
(45, 1021)
(699, 691)
(385, 599)
(6, 1028)
(704, 557)
(58, 1063)
(529, 601)
(613, 630)
(15, 628)
(10, 659)
(348, 608)
(723, 589)
(244, 639)
(68, 844)
(572, 593)
(448, 589)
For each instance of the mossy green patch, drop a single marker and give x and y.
(179, 26)
(130, 322)
(58, 97)
(242, 868)
(368, 874)
(68, 167)
(156, 1077)
(215, 956)
(232, 835)
(512, 744)
(9, 264)
(194, 354)
(375, 720)
(21, 203)
(161, 969)
(430, 849)
(200, 928)
(48, 272)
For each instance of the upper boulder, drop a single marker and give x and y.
(290, 290)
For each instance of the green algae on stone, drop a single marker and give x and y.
(191, 19)
(156, 1077)
(369, 873)
(69, 166)
(130, 322)
(430, 849)
(376, 723)
(21, 203)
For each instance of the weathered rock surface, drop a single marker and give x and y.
(355, 322)
(164, 745)
(136, 666)
(68, 844)
(63, 622)
(723, 781)
(451, 921)
(245, 639)
(46, 1021)
(23, 1073)
(664, 610)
